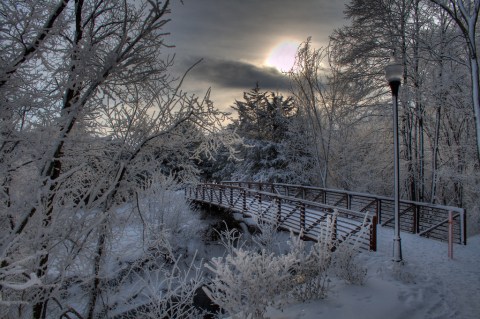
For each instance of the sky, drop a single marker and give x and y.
(242, 42)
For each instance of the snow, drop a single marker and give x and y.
(427, 284)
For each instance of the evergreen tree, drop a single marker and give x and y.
(263, 121)
(263, 115)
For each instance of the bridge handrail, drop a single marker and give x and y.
(426, 219)
(304, 216)
(280, 196)
(366, 195)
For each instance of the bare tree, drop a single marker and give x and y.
(311, 95)
(332, 102)
(465, 15)
(99, 113)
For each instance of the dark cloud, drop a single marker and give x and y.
(225, 32)
(241, 75)
(249, 28)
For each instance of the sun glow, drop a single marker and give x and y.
(282, 56)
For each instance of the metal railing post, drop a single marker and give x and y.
(302, 219)
(334, 226)
(373, 234)
(415, 220)
(244, 206)
(379, 210)
(259, 205)
(463, 227)
(220, 190)
(450, 234)
(279, 211)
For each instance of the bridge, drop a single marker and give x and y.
(304, 209)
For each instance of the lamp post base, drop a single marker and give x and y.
(397, 250)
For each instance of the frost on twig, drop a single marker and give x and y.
(31, 282)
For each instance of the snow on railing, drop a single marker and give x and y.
(427, 220)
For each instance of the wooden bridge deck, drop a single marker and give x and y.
(305, 209)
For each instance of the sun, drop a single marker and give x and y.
(282, 56)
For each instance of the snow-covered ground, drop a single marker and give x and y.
(426, 285)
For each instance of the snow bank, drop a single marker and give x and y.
(426, 285)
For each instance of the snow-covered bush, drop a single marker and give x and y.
(313, 263)
(346, 266)
(168, 292)
(268, 236)
(246, 282)
(153, 282)
(230, 239)
(163, 207)
(345, 263)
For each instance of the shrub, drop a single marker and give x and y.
(345, 263)
(313, 263)
(246, 282)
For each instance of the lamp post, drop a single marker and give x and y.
(393, 73)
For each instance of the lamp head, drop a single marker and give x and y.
(394, 72)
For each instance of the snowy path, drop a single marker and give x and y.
(427, 285)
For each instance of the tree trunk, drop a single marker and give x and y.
(419, 111)
(476, 100)
(100, 251)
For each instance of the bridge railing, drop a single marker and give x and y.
(289, 213)
(425, 219)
